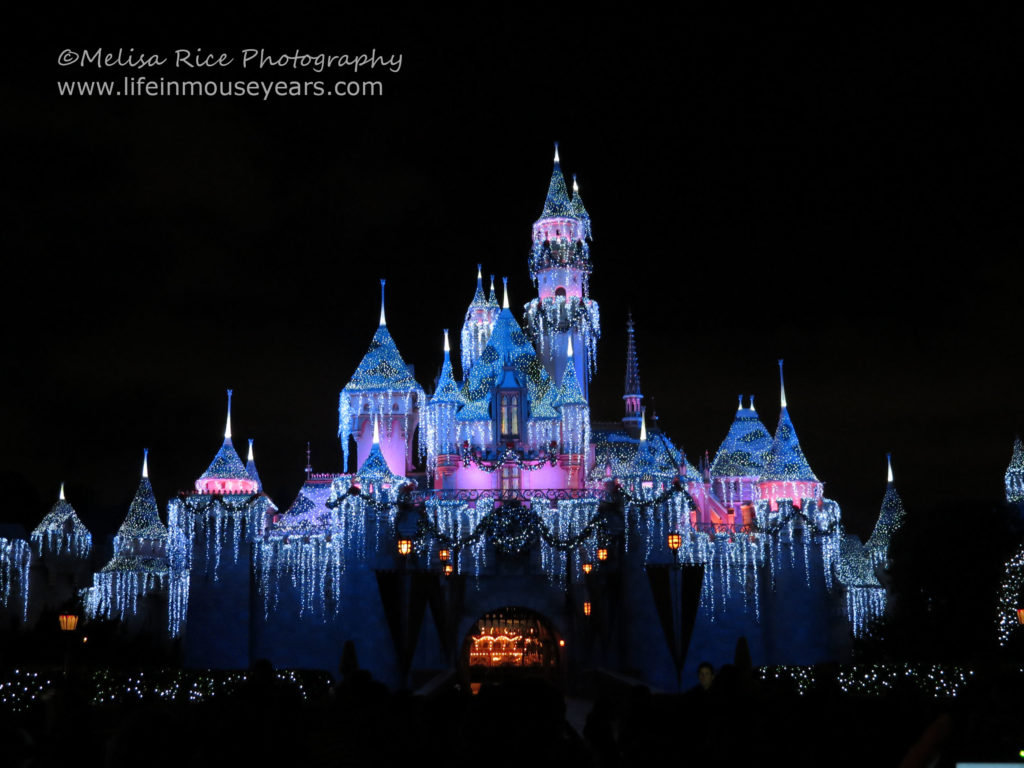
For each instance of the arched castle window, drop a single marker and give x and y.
(509, 415)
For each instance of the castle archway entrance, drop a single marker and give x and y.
(511, 643)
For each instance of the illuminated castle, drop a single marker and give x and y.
(532, 533)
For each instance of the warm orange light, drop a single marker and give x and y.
(404, 546)
(675, 541)
(586, 608)
(588, 567)
(68, 622)
(1020, 616)
(561, 643)
(602, 554)
(448, 569)
(444, 555)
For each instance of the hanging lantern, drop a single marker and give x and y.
(444, 555)
(586, 608)
(404, 547)
(448, 569)
(588, 567)
(602, 554)
(68, 622)
(675, 541)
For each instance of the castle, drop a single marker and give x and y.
(535, 538)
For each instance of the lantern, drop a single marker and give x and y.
(1020, 616)
(675, 541)
(586, 608)
(68, 622)
(404, 547)
(602, 554)
(588, 567)
(444, 555)
(448, 569)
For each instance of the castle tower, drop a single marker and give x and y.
(250, 467)
(227, 473)
(381, 389)
(633, 396)
(575, 421)
(479, 322)
(560, 267)
(139, 566)
(1014, 476)
(787, 475)
(890, 518)
(740, 460)
(61, 531)
(440, 430)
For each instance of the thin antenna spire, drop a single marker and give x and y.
(61, 496)
(479, 275)
(782, 386)
(145, 462)
(751, 402)
(556, 153)
(309, 463)
(250, 450)
(447, 346)
(227, 428)
(643, 425)
(376, 432)
(575, 186)
(570, 345)
(740, 408)
(382, 321)
(504, 282)
(492, 288)
(888, 459)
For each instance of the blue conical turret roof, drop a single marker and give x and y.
(745, 449)
(143, 518)
(785, 460)
(890, 518)
(569, 393)
(557, 202)
(250, 467)
(61, 518)
(447, 390)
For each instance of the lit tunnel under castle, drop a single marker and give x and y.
(493, 525)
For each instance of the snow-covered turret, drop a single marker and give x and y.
(787, 475)
(226, 473)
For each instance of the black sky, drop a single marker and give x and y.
(840, 191)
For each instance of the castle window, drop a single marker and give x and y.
(560, 291)
(510, 478)
(509, 415)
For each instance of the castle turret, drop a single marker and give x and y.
(480, 317)
(250, 467)
(575, 416)
(440, 429)
(382, 389)
(139, 566)
(226, 473)
(633, 396)
(787, 475)
(740, 460)
(61, 531)
(1014, 476)
(560, 267)
(890, 518)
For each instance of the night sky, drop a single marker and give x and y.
(840, 191)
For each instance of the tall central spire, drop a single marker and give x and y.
(227, 427)
(382, 320)
(782, 387)
(632, 395)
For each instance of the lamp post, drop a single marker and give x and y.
(68, 625)
(675, 541)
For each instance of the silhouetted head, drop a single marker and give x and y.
(705, 674)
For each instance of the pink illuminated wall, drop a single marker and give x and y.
(794, 490)
(225, 485)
